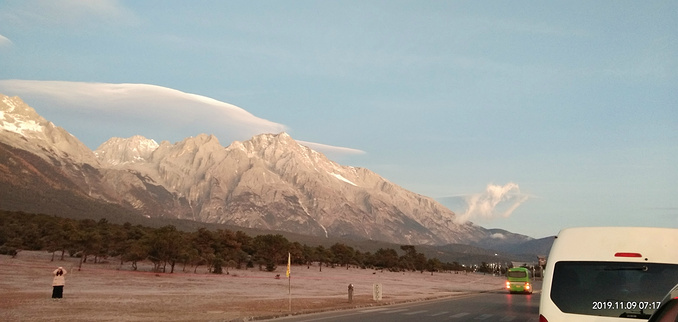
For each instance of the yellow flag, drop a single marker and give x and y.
(288, 265)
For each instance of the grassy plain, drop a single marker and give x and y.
(110, 292)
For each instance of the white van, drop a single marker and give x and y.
(608, 273)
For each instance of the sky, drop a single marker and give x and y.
(528, 116)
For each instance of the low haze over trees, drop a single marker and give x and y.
(170, 249)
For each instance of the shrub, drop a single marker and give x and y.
(6, 250)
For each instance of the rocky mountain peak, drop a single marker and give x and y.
(189, 148)
(201, 141)
(281, 152)
(17, 107)
(117, 151)
(16, 116)
(269, 145)
(32, 132)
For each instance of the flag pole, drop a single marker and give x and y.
(289, 283)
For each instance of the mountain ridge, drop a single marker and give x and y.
(268, 182)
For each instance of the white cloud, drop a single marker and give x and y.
(91, 110)
(495, 201)
(498, 236)
(4, 41)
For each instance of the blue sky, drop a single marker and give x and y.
(526, 116)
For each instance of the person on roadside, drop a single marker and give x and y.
(58, 283)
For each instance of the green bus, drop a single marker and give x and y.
(518, 280)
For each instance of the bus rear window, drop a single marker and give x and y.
(517, 274)
(615, 289)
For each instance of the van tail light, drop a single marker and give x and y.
(626, 254)
(542, 318)
(508, 284)
(527, 286)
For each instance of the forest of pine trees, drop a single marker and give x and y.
(170, 249)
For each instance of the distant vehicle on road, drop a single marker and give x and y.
(668, 311)
(518, 280)
(608, 273)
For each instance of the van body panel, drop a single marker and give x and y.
(601, 243)
(603, 273)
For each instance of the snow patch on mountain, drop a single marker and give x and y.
(325, 229)
(23, 127)
(13, 121)
(9, 102)
(340, 177)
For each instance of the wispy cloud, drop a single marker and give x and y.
(332, 151)
(4, 41)
(495, 201)
(68, 13)
(107, 110)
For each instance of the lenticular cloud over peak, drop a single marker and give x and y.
(95, 112)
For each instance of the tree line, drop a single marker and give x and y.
(170, 249)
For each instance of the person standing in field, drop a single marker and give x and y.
(58, 283)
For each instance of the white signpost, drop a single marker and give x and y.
(376, 292)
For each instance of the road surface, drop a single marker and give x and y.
(490, 306)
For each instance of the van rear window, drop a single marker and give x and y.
(615, 289)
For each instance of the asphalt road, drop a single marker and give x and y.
(490, 306)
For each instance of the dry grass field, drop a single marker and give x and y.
(110, 292)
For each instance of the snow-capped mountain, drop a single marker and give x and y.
(24, 128)
(270, 181)
(46, 169)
